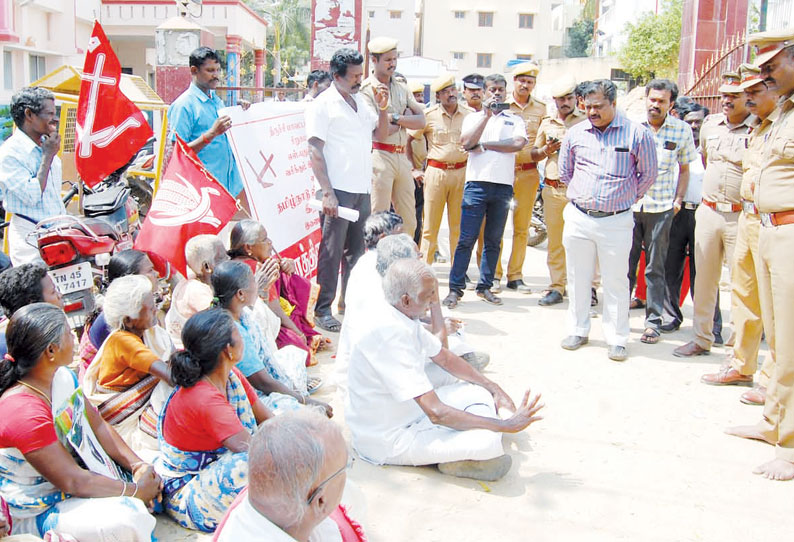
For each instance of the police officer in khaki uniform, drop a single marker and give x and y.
(446, 165)
(547, 143)
(527, 179)
(417, 154)
(774, 197)
(723, 142)
(745, 300)
(392, 182)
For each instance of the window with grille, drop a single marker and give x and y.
(526, 20)
(484, 60)
(395, 15)
(8, 71)
(486, 18)
(37, 67)
(460, 14)
(457, 55)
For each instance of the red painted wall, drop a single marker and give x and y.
(705, 27)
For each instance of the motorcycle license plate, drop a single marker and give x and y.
(73, 278)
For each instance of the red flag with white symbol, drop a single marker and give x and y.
(110, 128)
(188, 202)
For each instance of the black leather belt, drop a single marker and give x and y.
(689, 206)
(598, 214)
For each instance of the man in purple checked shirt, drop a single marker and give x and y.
(608, 163)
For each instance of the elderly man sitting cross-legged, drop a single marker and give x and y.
(297, 465)
(396, 415)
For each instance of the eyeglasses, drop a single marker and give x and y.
(316, 491)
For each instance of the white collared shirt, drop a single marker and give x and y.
(492, 166)
(348, 139)
(386, 373)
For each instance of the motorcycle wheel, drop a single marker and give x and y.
(537, 225)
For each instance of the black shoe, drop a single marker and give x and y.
(669, 327)
(593, 297)
(718, 339)
(489, 297)
(519, 286)
(553, 297)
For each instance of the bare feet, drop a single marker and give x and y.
(777, 469)
(748, 431)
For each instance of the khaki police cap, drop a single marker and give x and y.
(563, 87)
(474, 80)
(526, 68)
(751, 75)
(378, 46)
(769, 44)
(731, 83)
(442, 81)
(416, 87)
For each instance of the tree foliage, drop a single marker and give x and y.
(290, 21)
(651, 49)
(580, 39)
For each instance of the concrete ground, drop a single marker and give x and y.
(627, 451)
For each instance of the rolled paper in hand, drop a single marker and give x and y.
(344, 212)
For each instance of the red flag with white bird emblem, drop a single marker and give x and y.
(188, 202)
(110, 128)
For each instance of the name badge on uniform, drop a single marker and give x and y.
(621, 149)
(508, 123)
(669, 145)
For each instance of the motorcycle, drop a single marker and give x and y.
(537, 224)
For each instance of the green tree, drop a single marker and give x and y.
(288, 35)
(651, 49)
(580, 39)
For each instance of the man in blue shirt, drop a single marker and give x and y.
(194, 117)
(30, 170)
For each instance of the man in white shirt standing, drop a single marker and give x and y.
(492, 136)
(340, 126)
(398, 417)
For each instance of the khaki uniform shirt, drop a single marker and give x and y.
(554, 127)
(751, 164)
(419, 153)
(723, 149)
(400, 97)
(774, 191)
(443, 133)
(532, 113)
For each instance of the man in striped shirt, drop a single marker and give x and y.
(608, 163)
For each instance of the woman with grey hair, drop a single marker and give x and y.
(125, 372)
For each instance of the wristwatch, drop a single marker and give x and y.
(395, 118)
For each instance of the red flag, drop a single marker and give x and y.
(110, 128)
(189, 202)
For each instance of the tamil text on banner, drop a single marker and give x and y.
(335, 24)
(110, 128)
(269, 143)
(189, 202)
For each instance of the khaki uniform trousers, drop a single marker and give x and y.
(525, 190)
(442, 188)
(746, 303)
(393, 184)
(776, 282)
(554, 201)
(715, 239)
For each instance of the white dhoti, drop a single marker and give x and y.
(22, 250)
(438, 444)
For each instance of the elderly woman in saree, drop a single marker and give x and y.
(281, 386)
(126, 371)
(291, 297)
(207, 423)
(202, 253)
(96, 329)
(62, 467)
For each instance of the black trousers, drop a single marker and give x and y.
(342, 243)
(419, 196)
(651, 231)
(682, 244)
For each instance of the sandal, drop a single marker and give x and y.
(636, 303)
(313, 383)
(328, 323)
(320, 343)
(650, 336)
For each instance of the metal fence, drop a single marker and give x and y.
(708, 80)
(231, 95)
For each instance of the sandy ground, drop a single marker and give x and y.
(627, 451)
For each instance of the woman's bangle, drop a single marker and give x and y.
(205, 139)
(383, 108)
(136, 489)
(124, 490)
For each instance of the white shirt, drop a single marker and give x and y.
(492, 166)
(243, 522)
(387, 371)
(694, 189)
(348, 139)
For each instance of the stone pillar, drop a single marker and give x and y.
(259, 72)
(233, 50)
(174, 40)
(7, 33)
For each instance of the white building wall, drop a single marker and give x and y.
(392, 18)
(611, 23)
(453, 35)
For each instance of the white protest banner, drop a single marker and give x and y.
(269, 143)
